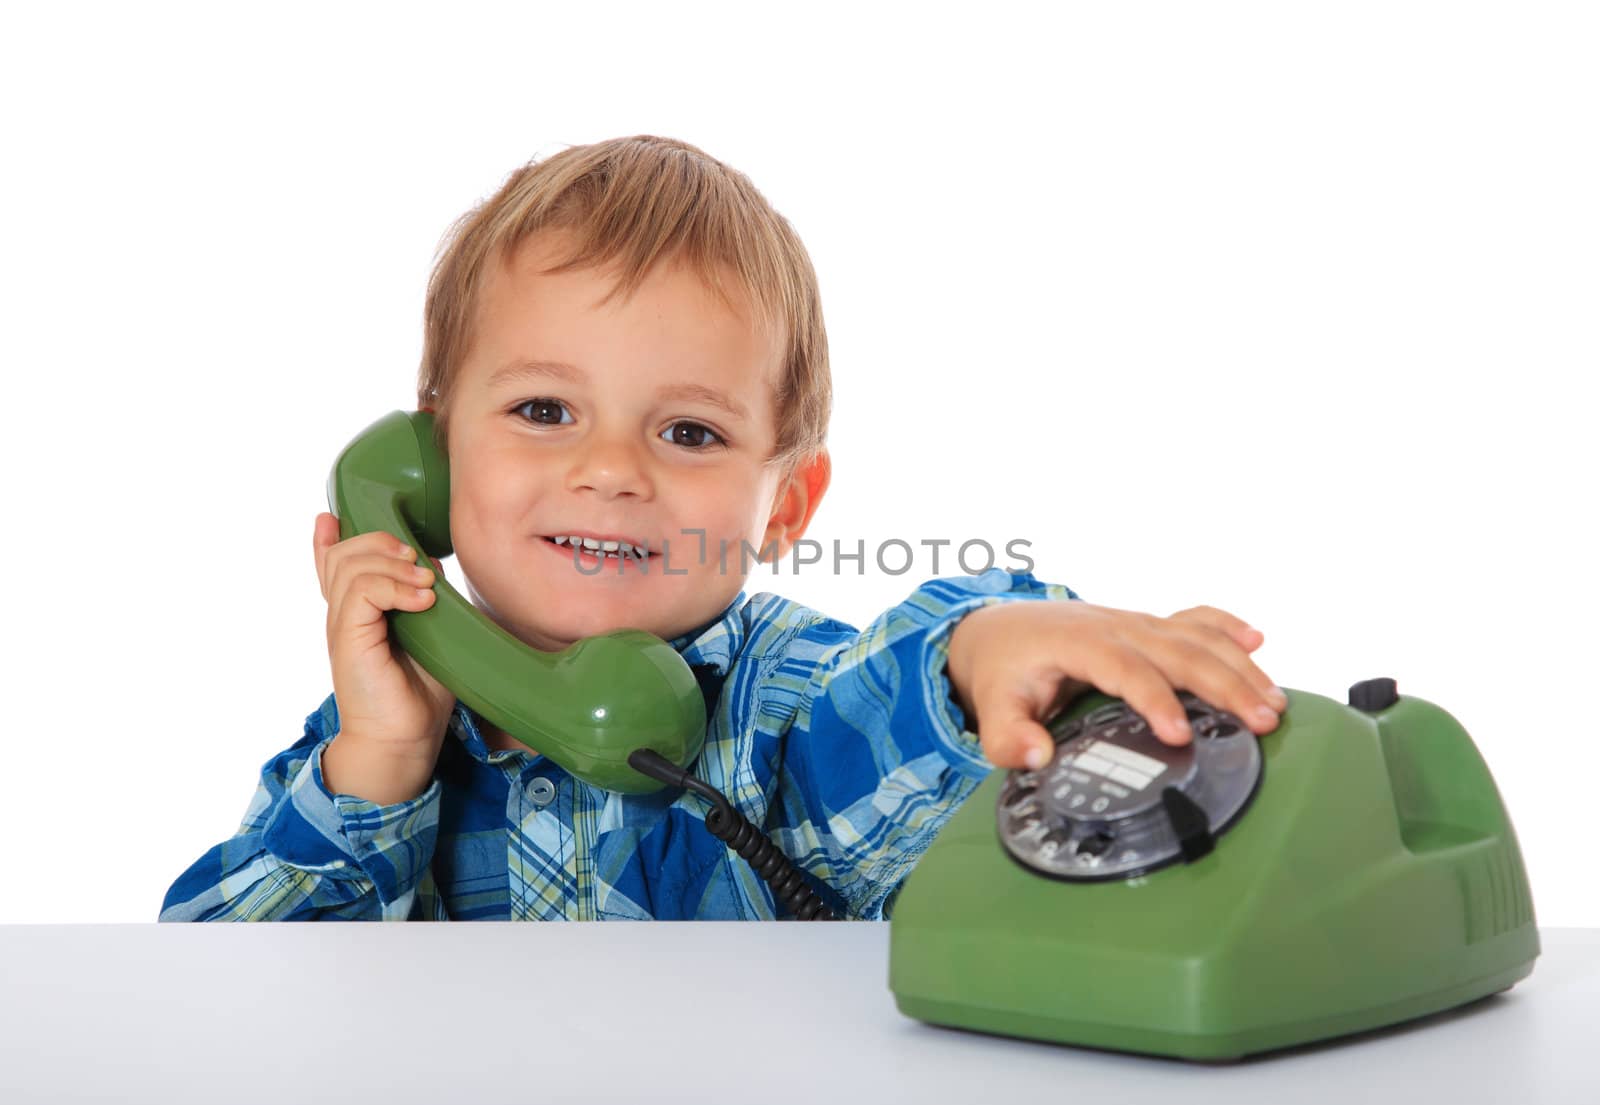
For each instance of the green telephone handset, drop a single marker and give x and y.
(590, 706)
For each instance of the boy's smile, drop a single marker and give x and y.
(631, 427)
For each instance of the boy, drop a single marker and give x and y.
(625, 345)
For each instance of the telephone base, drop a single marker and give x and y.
(1215, 1047)
(1375, 878)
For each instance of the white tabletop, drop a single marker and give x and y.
(664, 1012)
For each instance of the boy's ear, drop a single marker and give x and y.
(797, 500)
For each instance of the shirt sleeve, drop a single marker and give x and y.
(303, 853)
(879, 755)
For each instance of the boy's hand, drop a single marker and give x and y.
(1014, 665)
(392, 713)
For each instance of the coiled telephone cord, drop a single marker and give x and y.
(734, 829)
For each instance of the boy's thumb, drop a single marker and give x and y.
(1013, 739)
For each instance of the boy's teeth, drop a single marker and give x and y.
(601, 548)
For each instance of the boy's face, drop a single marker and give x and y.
(637, 441)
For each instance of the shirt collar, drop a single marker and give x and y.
(713, 644)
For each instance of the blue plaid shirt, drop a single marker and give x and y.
(845, 747)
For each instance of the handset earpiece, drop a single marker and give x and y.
(587, 707)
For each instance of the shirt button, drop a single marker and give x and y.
(542, 791)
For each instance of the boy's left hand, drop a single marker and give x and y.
(1014, 665)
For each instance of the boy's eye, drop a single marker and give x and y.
(552, 412)
(691, 435)
(542, 411)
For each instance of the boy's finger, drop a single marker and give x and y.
(319, 552)
(1241, 632)
(1011, 737)
(1234, 657)
(1130, 674)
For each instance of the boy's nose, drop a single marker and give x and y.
(611, 467)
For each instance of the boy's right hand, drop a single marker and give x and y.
(392, 713)
(1012, 666)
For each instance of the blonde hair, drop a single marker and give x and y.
(637, 202)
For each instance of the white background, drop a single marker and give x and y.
(1286, 311)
